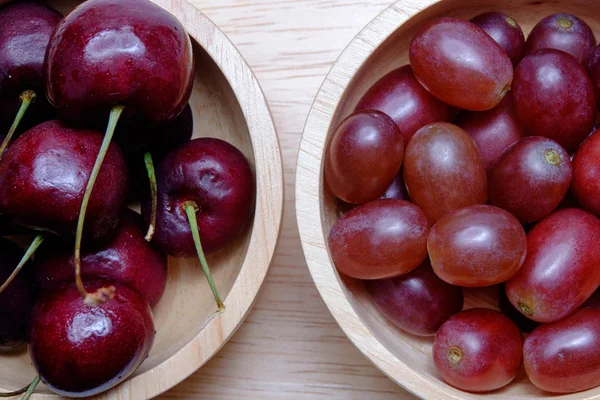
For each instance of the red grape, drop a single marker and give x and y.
(564, 356)
(561, 268)
(444, 171)
(380, 239)
(505, 31)
(477, 246)
(586, 174)
(554, 97)
(399, 95)
(418, 302)
(478, 350)
(493, 131)
(530, 179)
(525, 324)
(460, 64)
(594, 71)
(563, 32)
(364, 157)
(397, 189)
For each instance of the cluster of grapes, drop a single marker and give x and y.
(478, 165)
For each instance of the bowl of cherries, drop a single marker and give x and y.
(141, 195)
(448, 192)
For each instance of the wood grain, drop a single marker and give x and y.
(290, 347)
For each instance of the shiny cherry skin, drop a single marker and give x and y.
(493, 131)
(531, 178)
(525, 324)
(505, 31)
(564, 356)
(563, 32)
(79, 350)
(17, 300)
(219, 179)
(477, 246)
(43, 175)
(364, 156)
(25, 30)
(397, 189)
(418, 302)
(554, 97)
(586, 174)
(443, 170)
(460, 64)
(380, 239)
(126, 258)
(561, 268)
(478, 350)
(130, 52)
(400, 95)
(136, 140)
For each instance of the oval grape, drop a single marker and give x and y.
(505, 31)
(586, 174)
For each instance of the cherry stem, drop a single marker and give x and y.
(27, 97)
(31, 388)
(191, 208)
(39, 239)
(102, 295)
(153, 194)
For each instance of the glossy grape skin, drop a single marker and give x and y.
(561, 269)
(505, 31)
(460, 64)
(418, 302)
(380, 239)
(440, 185)
(364, 156)
(586, 174)
(564, 356)
(478, 350)
(399, 95)
(563, 32)
(477, 246)
(493, 131)
(397, 189)
(554, 97)
(525, 324)
(594, 72)
(531, 178)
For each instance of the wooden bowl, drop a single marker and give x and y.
(381, 47)
(227, 103)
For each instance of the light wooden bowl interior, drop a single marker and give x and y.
(381, 47)
(227, 103)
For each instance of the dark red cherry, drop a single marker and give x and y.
(130, 52)
(17, 300)
(43, 175)
(127, 258)
(80, 350)
(25, 30)
(400, 95)
(207, 182)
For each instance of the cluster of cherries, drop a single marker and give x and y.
(479, 165)
(131, 62)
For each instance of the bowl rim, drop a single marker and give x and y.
(268, 216)
(309, 191)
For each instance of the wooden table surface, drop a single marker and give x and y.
(290, 347)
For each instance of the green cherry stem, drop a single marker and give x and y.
(153, 193)
(103, 294)
(27, 97)
(39, 239)
(191, 208)
(31, 388)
